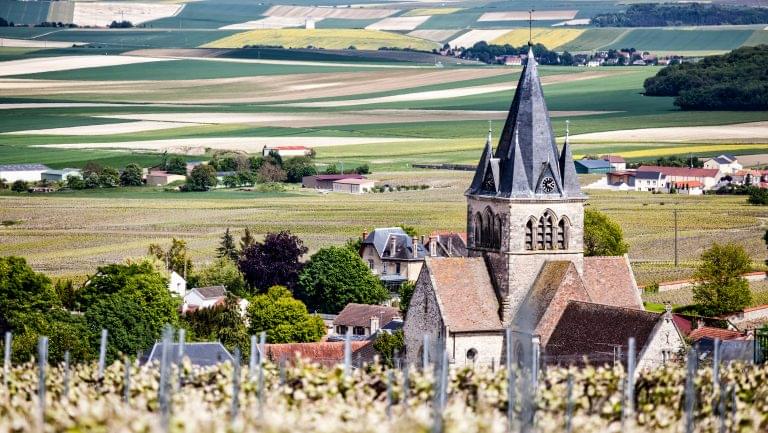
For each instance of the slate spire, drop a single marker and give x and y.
(569, 179)
(527, 153)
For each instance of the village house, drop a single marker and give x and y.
(526, 270)
(162, 178)
(327, 354)
(726, 164)
(25, 172)
(177, 284)
(622, 177)
(353, 186)
(617, 163)
(365, 321)
(650, 181)
(207, 297)
(680, 175)
(392, 255)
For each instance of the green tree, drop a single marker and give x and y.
(176, 257)
(92, 167)
(227, 247)
(386, 345)
(132, 302)
(222, 272)
(602, 236)
(3, 184)
(297, 168)
(75, 182)
(176, 165)
(720, 286)
(91, 180)
(246, 240)
(335, 277)
(224, 323)
(202, 178)
(131, 175)
(22, 290)
(19, 186)
(406, 293)
(758, 196)
(109, 177)
(285, 319)
(270, 173)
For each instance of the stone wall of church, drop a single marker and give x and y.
(423, 317)
(665, 346)
(487, 347)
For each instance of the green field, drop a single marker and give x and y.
(24, 12)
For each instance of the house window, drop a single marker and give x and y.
(478, 230)
(341, 329)
(370, 264)
(397, 268)
(472, 355)
(384, 271)
(358, 330)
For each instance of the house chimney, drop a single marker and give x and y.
(450, 245)
(374, 324)
(422, 239)
(393, 246)
(415, 251)
(433, 246)
(365, 235)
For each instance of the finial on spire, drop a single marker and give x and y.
(567, 130)
(530, 27)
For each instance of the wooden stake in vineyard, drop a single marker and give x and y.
(235, 385)
(7, 359)
(127, 381)
(66, 374)
(42, 353)
(102, 353)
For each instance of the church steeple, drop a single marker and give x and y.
(528, 159)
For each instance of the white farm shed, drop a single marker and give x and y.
(26, 172)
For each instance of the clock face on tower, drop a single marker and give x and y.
(548, 184)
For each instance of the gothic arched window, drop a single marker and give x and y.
(540, 234)
(549, 231)
(478, 230)
(562, 234)
(529, 235)
(487, 228)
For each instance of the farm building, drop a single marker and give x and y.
(162, 178)
(617, 162)
(287, 151)
(622, 177)
(25, 172)
(707, 176)
(61, 175)
(727, 164)
(364, 321)
(592, 166)
(650, 181)
(325, 181)
(353, 186)
(199, 354)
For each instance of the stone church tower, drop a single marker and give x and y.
(524, 206)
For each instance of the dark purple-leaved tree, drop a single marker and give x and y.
(273, 262)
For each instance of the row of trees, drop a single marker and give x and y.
(690, 14)
(734, 81)
(488, 53)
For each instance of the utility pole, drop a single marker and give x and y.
(676, 257)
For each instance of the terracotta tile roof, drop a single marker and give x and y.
(324, 353)
(612, 158)
(610, 281)
(464, 293)
(681, 171)
(360, 315)
(712, 333)
(558, 283)
(680, 184)
(594, 331)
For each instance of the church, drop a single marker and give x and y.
(525, 267)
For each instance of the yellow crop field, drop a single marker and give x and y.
(322, 38)
(548, 37)
(430, 11)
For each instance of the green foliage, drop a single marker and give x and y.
(335, 277)
(758, 196)
(91, 180)
(227, 247)
(175, 258)
(406, 293)
(387, 344)
(734, 81)
(692, 14)
(285, 319)
(269, 172)
(75, 182)
(354, 244)
(202, 178)
(222, 272)
(602, 236)
(66, 293)
(109, 178)
(176, 165)
(22, 291)
(363, 169)
(19, 186)
(222, 323)
(490, 53)
(721, 288)
(131, 175)
(247, 239)
(409, 230)
(296, 168)
(132, 302)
